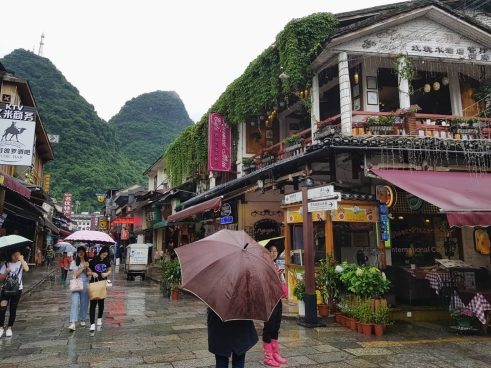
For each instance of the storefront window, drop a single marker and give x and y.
(297, 247)
(355, 242)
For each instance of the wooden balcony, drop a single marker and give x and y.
(364, 123)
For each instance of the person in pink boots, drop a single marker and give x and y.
(271, 329)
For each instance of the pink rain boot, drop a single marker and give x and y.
(276, 352)
(269, 361)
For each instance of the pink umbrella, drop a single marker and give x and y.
(90, 236)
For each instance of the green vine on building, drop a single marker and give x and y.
(256, 91)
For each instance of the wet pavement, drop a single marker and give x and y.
(143, 329)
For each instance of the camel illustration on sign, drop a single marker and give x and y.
(13, 131)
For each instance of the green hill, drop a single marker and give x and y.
(147, 124)
(88, 159)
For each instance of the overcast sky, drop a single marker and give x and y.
(114, 50)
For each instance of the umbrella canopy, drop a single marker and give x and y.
(278, 242)
(90, 236)
(68, 248)
(61, 244)
(232, 274)
(13, 241)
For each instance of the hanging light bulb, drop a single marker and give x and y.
(356, 78)
(436, 86)
(427, 88)
(445, 81)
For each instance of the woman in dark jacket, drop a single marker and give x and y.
(230, 338)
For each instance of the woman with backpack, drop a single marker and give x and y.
(11, 273)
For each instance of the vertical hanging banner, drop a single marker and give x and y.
(67, 205)
(17, 128)
(219, 143)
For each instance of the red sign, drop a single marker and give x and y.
(125, 221)
(219, 143)
(94, 222)
(67, 205)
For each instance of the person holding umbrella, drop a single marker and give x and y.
(271, 330)
(11, 272)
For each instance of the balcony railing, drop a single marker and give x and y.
(366, 123)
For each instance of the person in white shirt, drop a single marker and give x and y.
(15, 268)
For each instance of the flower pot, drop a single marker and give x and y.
(352, 324)
(301, 308)
(323, 310)
(342, 320)
(174, 295)
(358, 327)
(366, 328)
(379, 330)
(337, 317)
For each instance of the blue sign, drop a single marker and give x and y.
(226, 220)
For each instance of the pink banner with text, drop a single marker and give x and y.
(219, 143)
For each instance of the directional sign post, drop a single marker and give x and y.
(324, 205)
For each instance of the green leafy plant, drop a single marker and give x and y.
(364, 281)
(293, 140)
(170, 272)
(247, 161)
(366, 314)
(382, 316)
(327, 280)
(407, 70)
(383, 120)
(299, 290)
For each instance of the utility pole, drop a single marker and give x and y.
(41, 45)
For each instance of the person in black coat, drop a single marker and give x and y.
(230, 338)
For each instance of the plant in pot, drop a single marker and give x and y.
(326, 282)
(170, 277)
(366, 317)
(299, 293)
(381, 319)
(248, 164)
(293, 142)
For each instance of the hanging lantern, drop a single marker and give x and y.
(427, 88)
(356, 78)
(301, 94)
(436, 86)
(306, 92)
(445, 81)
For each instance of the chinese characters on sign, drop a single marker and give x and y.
(219, 143)
(67, 205)
(46, 182)
(17, 129)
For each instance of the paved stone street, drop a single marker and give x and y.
(142, 329)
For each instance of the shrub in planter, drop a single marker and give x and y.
(299, 293)
(293, 140)
(170, 272)
(366, 317)
(326, 281)
(381, 319)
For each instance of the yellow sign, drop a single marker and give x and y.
(47, 182)
(353, 213)
(101, 198)
(102, 223)
(294, 215)
(385, 194)
(2, 179)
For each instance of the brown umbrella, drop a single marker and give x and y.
(232, 274)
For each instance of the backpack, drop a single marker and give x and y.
(11, 284)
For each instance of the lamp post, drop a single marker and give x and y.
(309, 262)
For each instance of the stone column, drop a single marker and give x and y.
(404, 100)
(345, 94)
(315, 111)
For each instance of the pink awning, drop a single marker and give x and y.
(214, 204)
(463, 196)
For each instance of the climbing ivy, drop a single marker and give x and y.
(257, 90)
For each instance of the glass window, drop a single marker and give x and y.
(297, 246)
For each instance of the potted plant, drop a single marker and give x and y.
(299, 293)
(248, 165)
(170, 277)
(383, 123)
(326, 281)
(366, 317)
(381, 319)
(293, 143)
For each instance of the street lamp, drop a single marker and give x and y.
(309, 262)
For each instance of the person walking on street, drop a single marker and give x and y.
(271, 330)
(50, 255)
(64, 266)
(11, 273)
(99, 269)
(231, 338)
(80, 299)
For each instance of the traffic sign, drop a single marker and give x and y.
(325, 205)
(293, 198)
(321, 192)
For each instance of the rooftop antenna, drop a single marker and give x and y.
(41, 45)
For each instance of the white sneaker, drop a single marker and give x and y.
(99, 321)
(1, 331)
(72, 326)
(82, 323)
(8, 333)
(92, 327)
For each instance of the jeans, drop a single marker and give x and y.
(64, 274)
(93, 304)
(238, 361)
(13, 300)
(80, 304)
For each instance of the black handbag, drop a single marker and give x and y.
(11, 284)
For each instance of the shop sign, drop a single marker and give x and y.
(414, 202)
(266, 229)
(384, 224)
(103, 224)
(46, 182)
(101, 198)
(295, 215)
(326, 205)
(94, 221)
(67, 205)
(17, 129)
(226, 220)
(126, 221)
(361, 213)
(226, 210)
(385, 194)
(293, 198)
(219, 143)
